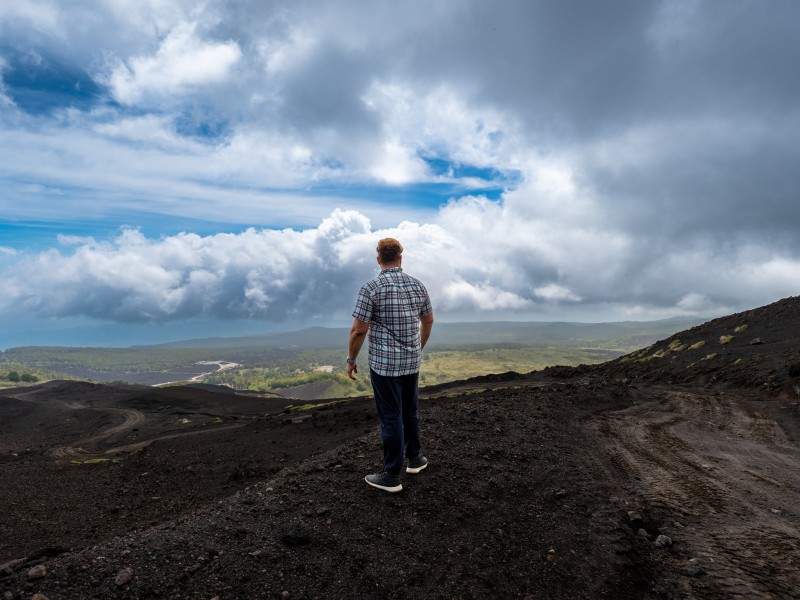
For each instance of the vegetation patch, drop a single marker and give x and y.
(725, 339)
(711, 356)
(741, 328)
(697, 345)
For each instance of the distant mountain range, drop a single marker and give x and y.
(624, 334)
(456, 350)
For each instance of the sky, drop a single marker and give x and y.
(174, 169)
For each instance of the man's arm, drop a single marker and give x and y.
(425, 326)
(357, 334)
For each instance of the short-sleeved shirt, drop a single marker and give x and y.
(392, 303)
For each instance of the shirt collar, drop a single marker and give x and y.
(391, 269)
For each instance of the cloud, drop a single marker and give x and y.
(41, 15)
(653, 147)
(553, 291)
(5, 101)
(182, 62)
(289, 274)
(8, 251)
(75, 240)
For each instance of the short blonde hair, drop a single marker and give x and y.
(389, 250)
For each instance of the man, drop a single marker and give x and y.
(396, 311)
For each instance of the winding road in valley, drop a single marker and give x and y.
(222, 365)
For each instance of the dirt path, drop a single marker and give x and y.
(729, 474)
(131, 418)
(170, 436)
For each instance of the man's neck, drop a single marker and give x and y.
(390, 266)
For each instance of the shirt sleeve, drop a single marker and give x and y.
(363, 309)
(426, 307)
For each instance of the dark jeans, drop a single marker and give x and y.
(397, 401)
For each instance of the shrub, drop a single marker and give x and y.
(697, 345)
(794, 370)
(725, 339)
(741, 328)
(29, 378)
(13, 376)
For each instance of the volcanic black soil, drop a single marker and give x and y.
(646, 477)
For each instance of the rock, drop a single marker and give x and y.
(694, 568)
(8, 596)
(124, 576)
(39, 596)
(285, 594)
(643, 533)
(756, 341)
(662, 541)
(37, 572)
(635, 517)
(551, 554)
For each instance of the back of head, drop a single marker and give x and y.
(389, 250)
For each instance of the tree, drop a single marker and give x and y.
(29, 378)
(13, 376)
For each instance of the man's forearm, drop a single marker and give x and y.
(356, 341)
(425, 332)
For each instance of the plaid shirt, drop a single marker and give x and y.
(392, 304)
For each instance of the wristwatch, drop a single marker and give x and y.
(351, 360)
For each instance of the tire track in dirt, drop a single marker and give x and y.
(727, 471)
(170, 436)
(131, 418)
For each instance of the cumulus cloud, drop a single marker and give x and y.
(183, 61)
(295, 274)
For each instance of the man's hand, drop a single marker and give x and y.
(352, 370)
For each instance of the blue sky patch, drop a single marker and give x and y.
(39, 235)
(39, 84)
(456, 170)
